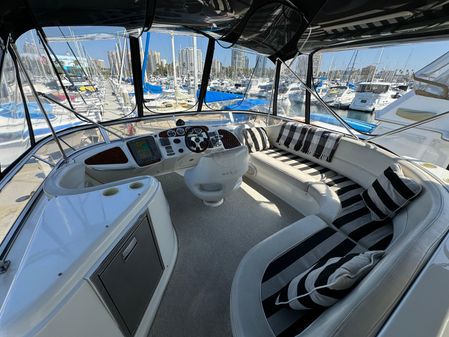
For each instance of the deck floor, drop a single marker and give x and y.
(212, 242)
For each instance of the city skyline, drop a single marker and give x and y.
(411, 56)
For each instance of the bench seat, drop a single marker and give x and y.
(337, 223)
(276, 261)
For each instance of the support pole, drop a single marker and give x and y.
(25, 104)
(49, 51)
(39, 103)
(309, 83)
(277, 76)
(206, 73)
(137, 75)
(145, 58)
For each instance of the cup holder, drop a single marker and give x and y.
(110, 192)
(135, 185)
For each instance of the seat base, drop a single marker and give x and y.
(213, 203)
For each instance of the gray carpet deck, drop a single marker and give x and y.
(212, 242)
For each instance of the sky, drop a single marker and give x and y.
(406, 56)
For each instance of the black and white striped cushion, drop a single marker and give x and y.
(308, 139)
(320, 143)
(389, 193)
(324, 244)
(292, 135)
(256, 139)
(327, 281)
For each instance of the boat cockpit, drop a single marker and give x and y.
(237, 221)
(172, 150)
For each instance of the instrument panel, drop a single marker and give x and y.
(144, 150)
(157, 148)
(179, 131)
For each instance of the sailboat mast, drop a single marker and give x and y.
(330, 68)
(378, 62)
(195, 66)
(39, 62)
(352, 67)
(123, 61)
(406, 63)
(174, 60)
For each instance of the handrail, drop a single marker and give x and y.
(341, 120)
(39, 103)
(80, 116)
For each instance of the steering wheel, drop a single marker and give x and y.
(197, 139)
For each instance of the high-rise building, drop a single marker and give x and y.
(301, 64)
(238, 60)
(114, 62)
(261, 63)
(29, 47)
(216, 67)
(99, 63)
(186, 61)
(154, 60)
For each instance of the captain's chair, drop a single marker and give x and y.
(217, 174)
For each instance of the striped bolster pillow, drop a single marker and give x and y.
(256, 139)
(389, 193)
(327, 281)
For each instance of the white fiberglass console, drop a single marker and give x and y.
(153, 154)
(82, 258)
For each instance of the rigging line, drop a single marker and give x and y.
(74, 55)
(312, 92)
(80, 116)
(409, 126)
(48, 50)
(41, 106)
(25, 105)
(308, 36)
(42, 38)
(350, 128)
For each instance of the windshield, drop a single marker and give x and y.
(14, 132)
(377, 91)
(240, 80)
(374, 88)
(93, 63)
(433, 79)
(172, 69)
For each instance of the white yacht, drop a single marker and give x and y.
(339, 96)
(296, 93)
(429, 98)
(372, 96)
(219, 223)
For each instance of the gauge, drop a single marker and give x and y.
(180, 131)
(171, 133)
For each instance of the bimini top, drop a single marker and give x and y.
(272, 28)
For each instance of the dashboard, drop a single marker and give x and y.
(173, 140)
(166, 149)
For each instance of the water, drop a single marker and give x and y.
(298, 109)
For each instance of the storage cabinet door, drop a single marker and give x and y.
(132, 275)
